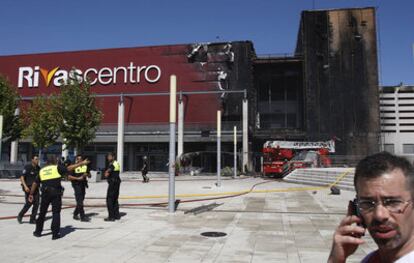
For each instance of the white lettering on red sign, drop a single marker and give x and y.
(30, 76)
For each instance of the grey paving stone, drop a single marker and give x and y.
(261, 227)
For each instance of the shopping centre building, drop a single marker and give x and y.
(327, 88)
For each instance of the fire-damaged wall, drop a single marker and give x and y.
(229, 66)
(341, 78)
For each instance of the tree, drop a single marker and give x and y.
(81, 116)
(42, 122)
(9, 101)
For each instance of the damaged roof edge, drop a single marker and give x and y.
(123, 48)
(400, 87)
(339, 9)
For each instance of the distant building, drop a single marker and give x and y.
(397, 119)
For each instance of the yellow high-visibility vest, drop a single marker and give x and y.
(49, 172)
(117, 167)
(81, 169)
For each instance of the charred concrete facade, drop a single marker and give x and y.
(336, 87)
(341, 78)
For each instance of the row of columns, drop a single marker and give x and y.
(180, 137)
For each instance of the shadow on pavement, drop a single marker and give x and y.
(69, 229)
(91, 214)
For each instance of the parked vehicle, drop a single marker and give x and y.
(305, 159)
(281, 157)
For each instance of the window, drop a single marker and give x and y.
(408, 148)
(389, 147)
(280, 95)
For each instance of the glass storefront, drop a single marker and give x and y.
(203, 155)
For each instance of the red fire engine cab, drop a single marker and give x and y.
(278, 155)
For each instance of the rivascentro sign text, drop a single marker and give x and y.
(30, 76)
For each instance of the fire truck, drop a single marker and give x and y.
(277, 155)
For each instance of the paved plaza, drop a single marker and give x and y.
(276, 222)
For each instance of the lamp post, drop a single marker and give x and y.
(171, 170)
(235, 151)
(1, 133)
(218, 148)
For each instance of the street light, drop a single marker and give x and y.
(171, 170)
(1, 133)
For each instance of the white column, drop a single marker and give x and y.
(261, 164)
(180, 141)
(235, 151)
(13, 151)
(1, 133)
(245, 136)
(171, 164)
(218, 149)
(14, 144)
(120, 140)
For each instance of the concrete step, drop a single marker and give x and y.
(323, 182)
(343, 187)
(323, 177)
(328, 176)
(348, 179)
(319, 172)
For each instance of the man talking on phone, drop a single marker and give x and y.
(384, 185)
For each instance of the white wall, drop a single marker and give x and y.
(397, 119)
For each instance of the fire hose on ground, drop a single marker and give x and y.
(208, 197)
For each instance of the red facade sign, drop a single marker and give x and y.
(116, 71)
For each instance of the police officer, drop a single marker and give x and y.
(50, 178)
(79, 184)
(29, 175)
(144, 170)
(114, 182)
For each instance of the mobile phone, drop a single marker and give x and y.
(355, 211)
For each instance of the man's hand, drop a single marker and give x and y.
(346, 239)
(85, 162)
(26, 189)
(30, 199)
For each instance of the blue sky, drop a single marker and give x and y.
(46, 26)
